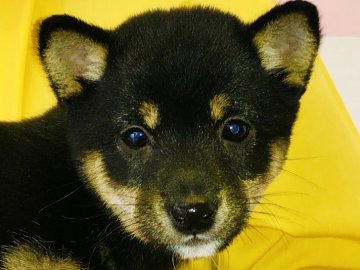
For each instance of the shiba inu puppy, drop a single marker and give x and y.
(168, 130)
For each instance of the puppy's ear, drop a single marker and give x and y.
(72, 53)
(287, 39)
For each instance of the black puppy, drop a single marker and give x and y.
(167, 132)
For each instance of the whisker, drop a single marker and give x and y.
(275, 194)
(85, 218)
(272, 214)
(228, 258)
(277, 222)
(287, 219)
(59, 200)
(303, 158)
(98, 241)
(252, 227)
(272, 204)
(301, 177)
(173, 261)
(63, 185)
(290, 210)
(247, 236)
(269, 214)
(214, 264)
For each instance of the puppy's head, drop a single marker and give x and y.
(179, 119)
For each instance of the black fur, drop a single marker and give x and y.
(179, 60)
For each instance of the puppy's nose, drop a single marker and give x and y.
(192, 218)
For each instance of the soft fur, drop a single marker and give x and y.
(73, 180)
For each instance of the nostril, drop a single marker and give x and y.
(207, 215)
(179, 214)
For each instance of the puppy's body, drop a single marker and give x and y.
(56, 215)
(169, 129)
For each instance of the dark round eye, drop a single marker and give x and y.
(135, 138)
(235, 131)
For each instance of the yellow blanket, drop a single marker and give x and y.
(310, 215)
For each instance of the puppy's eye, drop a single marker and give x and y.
(235, 131)
(135, 138)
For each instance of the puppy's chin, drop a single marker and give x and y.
(197, 248)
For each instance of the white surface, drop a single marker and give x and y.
(341, 56)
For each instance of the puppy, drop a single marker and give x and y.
(167, 131)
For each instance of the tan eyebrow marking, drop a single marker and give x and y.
(218, 105)
(150, 113)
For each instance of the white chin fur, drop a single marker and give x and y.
(197, 251)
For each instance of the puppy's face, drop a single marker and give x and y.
(178, 120)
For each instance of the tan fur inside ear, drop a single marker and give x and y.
(69, 56)
(287, 43)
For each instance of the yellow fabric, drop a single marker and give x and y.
(309, 218)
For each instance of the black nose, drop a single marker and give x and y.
(192, 218)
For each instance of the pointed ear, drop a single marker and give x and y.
(72, 52)
(287, 40)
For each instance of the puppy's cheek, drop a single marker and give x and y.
(255, 188)
(121, 200)
(231, 216)
(223, 214)
(155, 222)
(279, 151)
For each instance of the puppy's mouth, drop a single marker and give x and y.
(196, 246)
(195, 240)
(193, 230)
